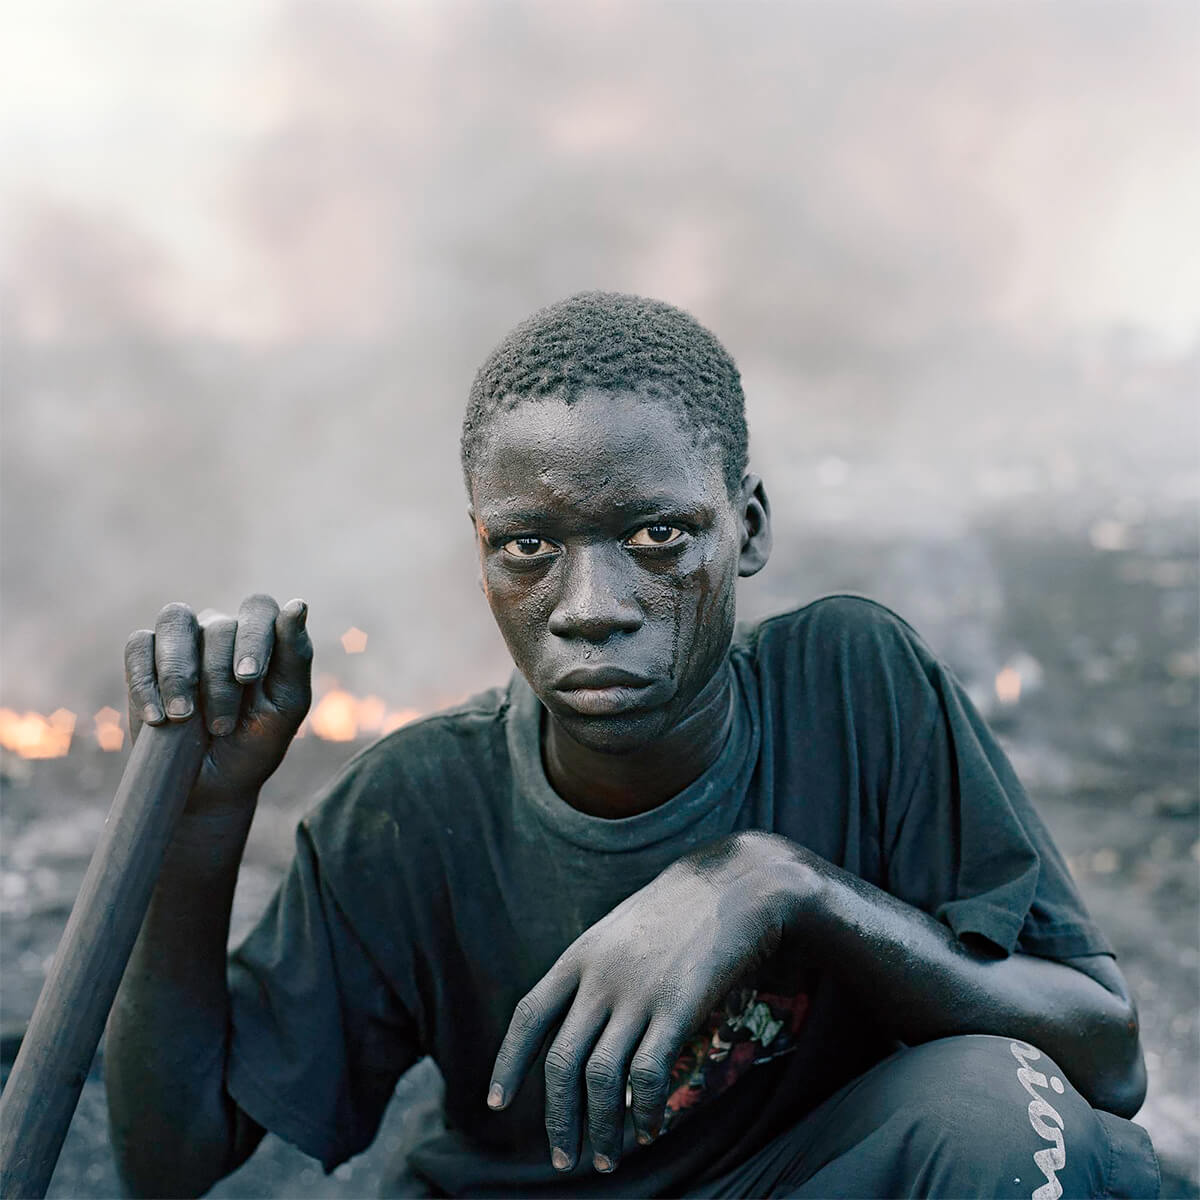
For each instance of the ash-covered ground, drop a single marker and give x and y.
(1101, 627)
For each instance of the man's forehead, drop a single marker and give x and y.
(600, 458)
(626, 433)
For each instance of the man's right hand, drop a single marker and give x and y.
(174, 1128)
(249, 676)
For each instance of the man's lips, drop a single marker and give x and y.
(589, 678)
(602, 691)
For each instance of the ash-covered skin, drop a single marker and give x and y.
(608, 540)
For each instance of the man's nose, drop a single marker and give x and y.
(596, 598)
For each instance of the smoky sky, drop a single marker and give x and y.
(948, 246)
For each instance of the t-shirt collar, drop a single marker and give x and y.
(726, 779)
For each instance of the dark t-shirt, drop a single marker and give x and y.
(440, 876)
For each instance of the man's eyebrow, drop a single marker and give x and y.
(660, 502)
(514, 518)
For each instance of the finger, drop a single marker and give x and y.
(530, 1023)
(605, 1074)
(177, 659)
(255, 637)
(565, 1081)
(145, 702)
(288, 681)
(221, 694)
(650, 1076)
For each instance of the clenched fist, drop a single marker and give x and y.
(249, 676)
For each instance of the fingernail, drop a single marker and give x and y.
(559, 1160)
(179, 707)
(152, 713)
(247, 666)
(495, 1096)
(644, 1139)
(602, 1162)
(302, 615)
(221, 726)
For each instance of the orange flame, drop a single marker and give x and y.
(341, 717)
(33, 736)
(338, 717)
(109, 733)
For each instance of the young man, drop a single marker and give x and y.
(683, 909)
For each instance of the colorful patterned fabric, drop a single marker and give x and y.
(751, 1027)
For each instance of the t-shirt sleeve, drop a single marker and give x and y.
(970, 848)
(319, 1039)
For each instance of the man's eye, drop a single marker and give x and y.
(527, 546)
(655, 535)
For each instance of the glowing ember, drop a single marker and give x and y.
(335, 717)
(371, 713)
(341, 717)
(1008, 686)
(34, 736)
(109, 733)
(354, 641)
(338, 717)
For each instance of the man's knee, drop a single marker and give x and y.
(999, 1109)
(963, 1116)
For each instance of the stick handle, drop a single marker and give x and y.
(60, 1043)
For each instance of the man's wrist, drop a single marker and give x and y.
(211, 830)
(784, 875)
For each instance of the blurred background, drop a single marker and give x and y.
(253, 253)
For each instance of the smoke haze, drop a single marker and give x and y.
(254, 253)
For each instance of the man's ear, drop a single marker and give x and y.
(754, 509)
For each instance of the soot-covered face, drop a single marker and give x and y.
(609, 547)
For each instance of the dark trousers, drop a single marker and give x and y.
(960, 1117)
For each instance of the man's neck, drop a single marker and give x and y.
(623, 785)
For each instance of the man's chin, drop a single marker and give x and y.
(619, 733)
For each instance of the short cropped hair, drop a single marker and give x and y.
(617, 342)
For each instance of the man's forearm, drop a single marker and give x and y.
(174, 1129)
(926, 984)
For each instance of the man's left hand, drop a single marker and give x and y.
(636, 984)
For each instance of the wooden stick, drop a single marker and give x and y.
(60, 1043)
